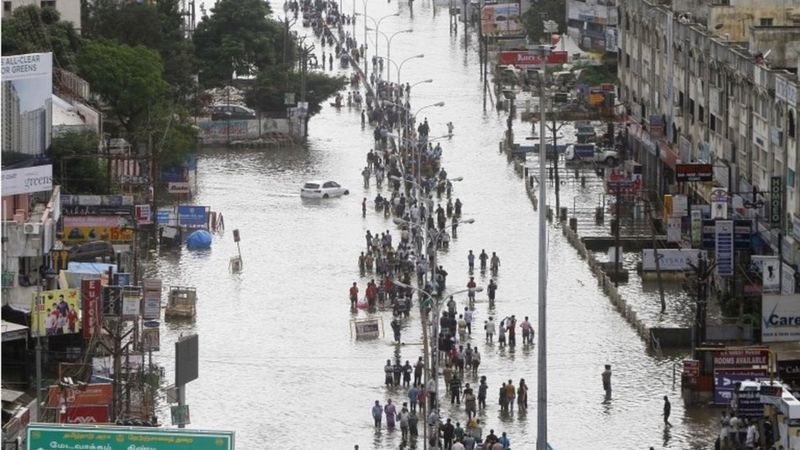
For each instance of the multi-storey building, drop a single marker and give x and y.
(70, 10)
(10, 130)
(694, 93)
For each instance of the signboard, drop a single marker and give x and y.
(789, 370)
(691, 370)
(27, 103)
(770, 278)
(775, 200)
(166, 216)
(502, 19)
(748, 404)
(85, 414)
(178, 187)
(143, 215)
(744, 358)
(131, 306)
(152, 299)
(92, 394)
(56, 312)
(724, 231)
(112, 301)
(27, 180)
(121, 279)
(671, 259)
(367, 329)
(192, 216)
(725, 382)
(180, 415)
(719, 203)
(186, 358)
(742, 229)
(787, 287)
(126, 438)
(91, 291)
(96, 228)
(673, 229)
(680, 205)
(780, 318)
(697, 227)
(151, 339)
(694, 172)
(524, 59)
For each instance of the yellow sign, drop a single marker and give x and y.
(97, 233)
(56, 312)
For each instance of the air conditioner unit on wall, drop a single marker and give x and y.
(33, 228)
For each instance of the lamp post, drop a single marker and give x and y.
(400, 67)
(389, 42)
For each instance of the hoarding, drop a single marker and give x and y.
(85, 414)
(151, 339)
(92, 394)
(671, 259)
(126, 438)
(780, 318)
(725, 381)
(502, 19)
(775, 200)
(743, 358)
(192, 216)
(96, 228)
(27, 180)
(724, 231)
(56, 312)
(526, 59)
(91, 292)
(143, 215)
(693, 172)
(112, 301)
(27, 103)
(673, 229)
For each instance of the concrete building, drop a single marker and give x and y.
(35, 128)
(70, 10)
(694, 94)
(592, 24)
(10, 124)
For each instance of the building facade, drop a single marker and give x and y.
(70, 10)
(692, 94)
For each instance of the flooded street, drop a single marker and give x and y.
(278, 363)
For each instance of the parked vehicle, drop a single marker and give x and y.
(232, 112)
(92, 251)
(322, 189)
(591, 153)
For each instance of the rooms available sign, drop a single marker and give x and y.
(780, 318)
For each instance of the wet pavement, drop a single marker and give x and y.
(278, 362)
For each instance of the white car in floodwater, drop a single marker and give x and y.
(322, 189)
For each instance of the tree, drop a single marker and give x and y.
(75, 163)
(128, 79)
(238, 36)
(267, 93)
(533, 23)
(31, 29)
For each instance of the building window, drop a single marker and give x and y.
(712, 122)
(628, 60)
(48, 4)
(700, 113)
(766, 21)
(7, 6)
(791, 124)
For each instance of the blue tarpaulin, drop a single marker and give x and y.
(200, 239)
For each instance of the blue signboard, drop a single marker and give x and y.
(724, 230)
(192, 216)
(725, 382)
(742, 231)
(162, 216)
(122, 279)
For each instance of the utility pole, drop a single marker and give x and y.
(555, 129)
(541, 397)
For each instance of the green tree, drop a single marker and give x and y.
(128, 80)
(270, 86)
(238, 36)
(31, 29)
(75, 164)
(533, 23)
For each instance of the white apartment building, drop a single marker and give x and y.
(70, 10)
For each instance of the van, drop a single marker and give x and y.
(232, 112)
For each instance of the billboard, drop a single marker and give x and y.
(27, 180)
(192, 216)
(780, 318)
(92, 394)
(529, 58)
(27, 102)
(671, 259)
(126, 438)
(91, 291)
(725, 381)
(502, 19)
(56, 312)
(96, 228)
(85, 414)
(724, 229)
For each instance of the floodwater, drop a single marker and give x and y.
(278, 362)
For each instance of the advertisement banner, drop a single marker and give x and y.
(719, 203)
(680, 205)
(92, 394)
(789, 370)
(143, 215)
(693, 172)
(93, 228)
(775, 200)
(770, 279)
(525, 59)
(738, 359)
(85, 414)
(27, 103)
(152, 299)
(724, 232)
(697, 227)
(112, 301)
(27, 180)
(151, 339)
(671, 259)
(131, 305)
(502, 19)
(192, 216)
(725, 382)
(691, 370)
(368, 329)
(91, 291)
(126, 438)
(787, 283)
(673, 229)
(56, 312)
(780, 318)
(178, 187)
